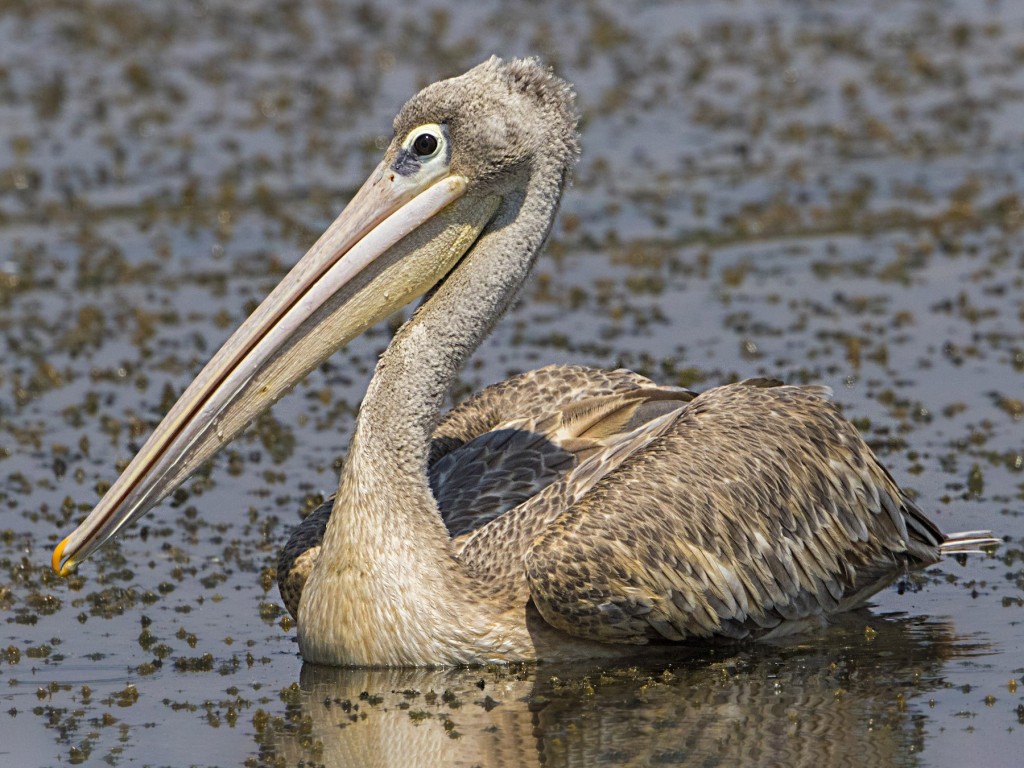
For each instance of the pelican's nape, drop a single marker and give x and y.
(565, 513)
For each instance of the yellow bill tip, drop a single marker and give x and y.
(58, 555)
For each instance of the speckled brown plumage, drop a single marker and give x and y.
(658, 533)
(757, 506)
(527, 395)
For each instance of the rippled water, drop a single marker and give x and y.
(816, 191)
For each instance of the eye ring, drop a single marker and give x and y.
(425, 145)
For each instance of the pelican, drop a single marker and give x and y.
(563, 514)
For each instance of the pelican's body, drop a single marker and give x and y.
(565, 513)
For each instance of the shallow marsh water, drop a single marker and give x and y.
(823, 192)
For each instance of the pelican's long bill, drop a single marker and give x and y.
(396, 239)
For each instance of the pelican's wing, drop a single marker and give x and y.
(495, 551)
(509, 441)
(494, 473)
(759, 505)
(503, 468)
(529, 395)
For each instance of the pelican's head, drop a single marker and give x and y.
(461, 146)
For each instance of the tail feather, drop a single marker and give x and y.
(968, 542)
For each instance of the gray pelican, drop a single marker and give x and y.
(644, 515)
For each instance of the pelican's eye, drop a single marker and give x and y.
(424, 150)
(426, 142)
(425, 145)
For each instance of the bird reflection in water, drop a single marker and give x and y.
(850, 697)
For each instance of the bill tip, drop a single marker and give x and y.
(62, 569)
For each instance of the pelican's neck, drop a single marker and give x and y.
(386, 554)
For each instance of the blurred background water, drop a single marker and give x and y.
(819, 191)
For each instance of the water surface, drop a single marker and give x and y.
(820, 192)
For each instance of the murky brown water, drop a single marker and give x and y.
(819, 191)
